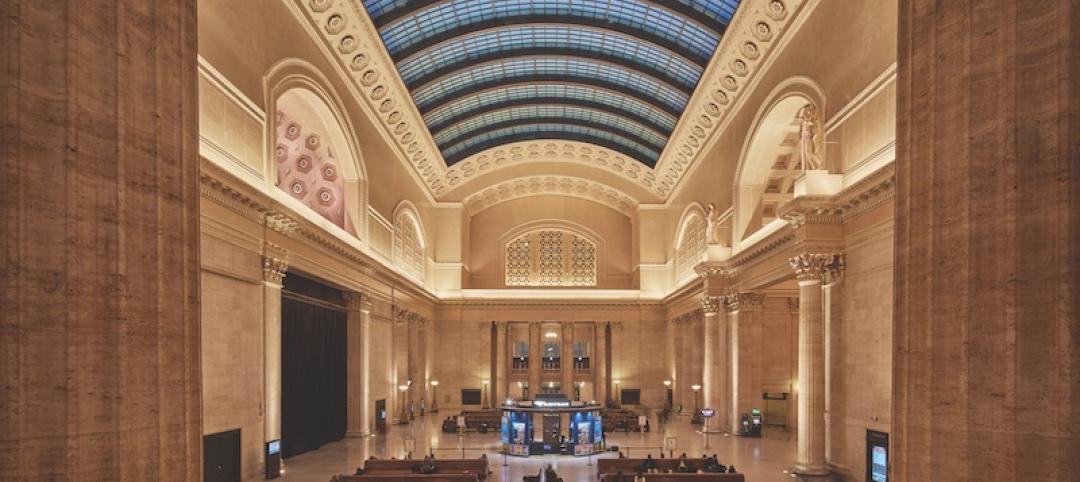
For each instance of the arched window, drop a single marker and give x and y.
(550, 257)
(409, 242)
(690, 242)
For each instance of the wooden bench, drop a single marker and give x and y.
(475, 467)
(618, 419)
(404, 478)
(630, 466)
(704, 477)
(474, 419)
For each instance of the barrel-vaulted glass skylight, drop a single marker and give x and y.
(615, 73)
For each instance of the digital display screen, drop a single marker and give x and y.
(879, 464)
(273, 447)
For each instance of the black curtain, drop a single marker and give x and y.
(313, 345)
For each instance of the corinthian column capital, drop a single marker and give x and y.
(358, 301)
(711, 304)
(824, 268)
(743, 301)
(275, 263)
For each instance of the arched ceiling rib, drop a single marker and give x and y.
(543, 114)
(552, 93)
(565, 132)
(636, 113)
(617, 73)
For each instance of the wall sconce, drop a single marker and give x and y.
(695, 387)
(667, 383)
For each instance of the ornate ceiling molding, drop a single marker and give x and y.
(554, 185)
(549, 150)
(749, 41)
(348, 36)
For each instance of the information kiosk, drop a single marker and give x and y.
(583, 434)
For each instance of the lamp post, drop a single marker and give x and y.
(403, 417)
(434, 396)
(667, 388)
(696, 417)
(483, 395)
(618, 393)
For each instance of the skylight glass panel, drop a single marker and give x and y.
(651, 20)
(532, 112)
(466, 50)
(616, 73)
(568, 68)
(571, 93)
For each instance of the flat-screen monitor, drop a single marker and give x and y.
(470, 396)
(877, 456)
(273, 447)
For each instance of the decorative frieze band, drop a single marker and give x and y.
(826, 268)
(406, 317)
(688, 317)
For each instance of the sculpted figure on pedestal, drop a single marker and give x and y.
(712, 225)
(808, 138)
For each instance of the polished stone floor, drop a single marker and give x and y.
(763, 459)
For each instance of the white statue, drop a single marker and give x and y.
(808, 138)
(712, 225)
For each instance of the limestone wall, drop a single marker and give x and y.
(860, 344)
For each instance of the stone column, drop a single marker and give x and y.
(811, 271)
(567, 359)
(986, 375)
(831, 296)
(745, 342)
(696, 329)
(607, 362)
(793, 392)
(490, 386)
(682, 362)
(502, 371)
(100, 373)
(416, 390)
(275, 263)
(597, 362)
(710, 308)
(358, 331)
(722, 358)
(535, 357)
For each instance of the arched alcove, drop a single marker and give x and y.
(315, 157)
(769, 160)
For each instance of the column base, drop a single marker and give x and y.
(816, 472)
(357, 434)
